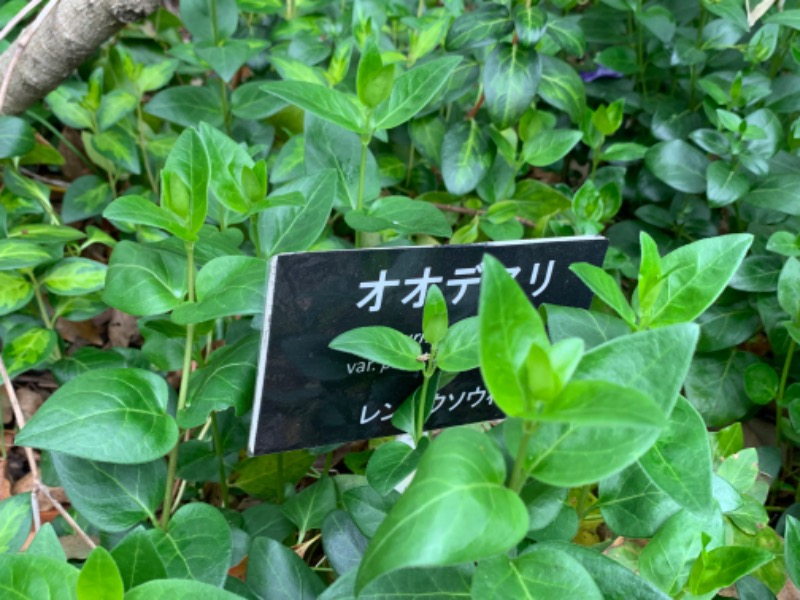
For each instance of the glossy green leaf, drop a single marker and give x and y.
(261, 476)
(15, 292)
(176, 589)
(757, 274)
(410, 216)
(680, 461)
(86, 197)
(509, 326)
(142, 280)
(267, 519)
(112, 497)
(792, 548)
(75, 276)
(342, 541)
(374, 79)
(550, 146)
(226, 286)
(77, 417)
(382, 345)
(606, 288)
(562, 87)
(761, 383)
(29, 350)
(331, 105)
(480, 27)
(228, 56)
(187, 106)
(275, 572)
(16, 518)
(679, 165)
(789, 288)
(594, 328)
(227, 379)
(187, 161)
(697, 275)
(724, 185)
(32, 577)
(368, 508)
(137, 559)
(458, 350)
(723, 566)
(434, 316)
(468, 515)
(249, 101)
(309, 508)
(136, 210)
(45, 543)
(715, 386)
(99, 578)
(530, 23)
(16, 137)
(465, 157)
(22, 254)
(391, 463)
(777, 192)
(511, 77)
(545, 574)
(197, 544)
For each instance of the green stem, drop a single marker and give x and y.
(143, 147)
(223, 94)
(214, 28)
(44, 313)
(254, 236)
(362, 175)
(419, 410)
(64, 141)
(782, 390)
(220, 452)
(519, 474)
(183, 393)
(410, 165)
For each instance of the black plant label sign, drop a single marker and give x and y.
(308, 395)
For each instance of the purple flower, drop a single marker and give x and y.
(600, 73)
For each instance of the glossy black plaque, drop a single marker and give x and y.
(309, 395)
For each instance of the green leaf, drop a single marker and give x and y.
(606, 288)
(16, 519)
(784, 243)
(761, 383)
(722, 567)
(112, 497)
(188, 160)
(680, 461)
(156, 75)
(374, 79)
(22, 254)
(697, 275)
(16, 137)
(309, 508)
(679, 165)
(758, 274)
(465, 516)
(777, 192)
(623, 152)
(32, 577)
(77, 417)
(594, 328)
(15, 292)
(136, 210)
(196, 545)
(275, 572)
(86, 197)
(227, 379)
(295, 228)
(391, 463)
(210, 20)
(228, 56)
(530, 23)
(410, 216)
(545, 574)
(511, 77)
(549, 146)
(249, 101)
(342, 541)
(75, 276)
(45, 543)
(413, 90)
(434, 583)
(29, 350)
(465, 157)
(382, 345)
(792, 548)
(724, 185)
(119, 147)
(509, 326)
(143, 280)
(789, 288)
(267, 519)
(434, 316)
(715, 386)
(175, 589)
(99, 578)
(485, 25)
(264, 476)
(331, 105)
(187, 106)
(138, 559)
(226, 286)
(46, 234)
(667, 559)
(459, 349)
(115, 106)
(562, 87)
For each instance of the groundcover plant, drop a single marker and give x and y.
(649, 449)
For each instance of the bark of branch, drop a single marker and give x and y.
(69, 34)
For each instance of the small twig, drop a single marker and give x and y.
(18, 17)
(472, 211)
(38, 486)
(22, 42)
(473, 111)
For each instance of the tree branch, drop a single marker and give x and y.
(49, 49)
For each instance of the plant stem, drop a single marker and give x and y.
(43, 312)
(223, 95)
(220, 452)
(782, 391)
(362, 176)
(419, 410)
(410, 165)
(519, 474)
(143, 147)
(183, 393)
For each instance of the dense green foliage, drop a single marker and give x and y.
(162, 176)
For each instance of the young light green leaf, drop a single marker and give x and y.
(99, 578)
(382, 345)
(16, 519)
(331, 105)
(434, 316)
(723, 566)
(136, 210)
(29, 350)
(31, 577)
(115, 106)
(459, 349)
(465, 516)
(131, 402)
(413, 90)
(188, 163)
(549, 146)
(409, 216)
(373, 79)
(606, 288)
(15, 292)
